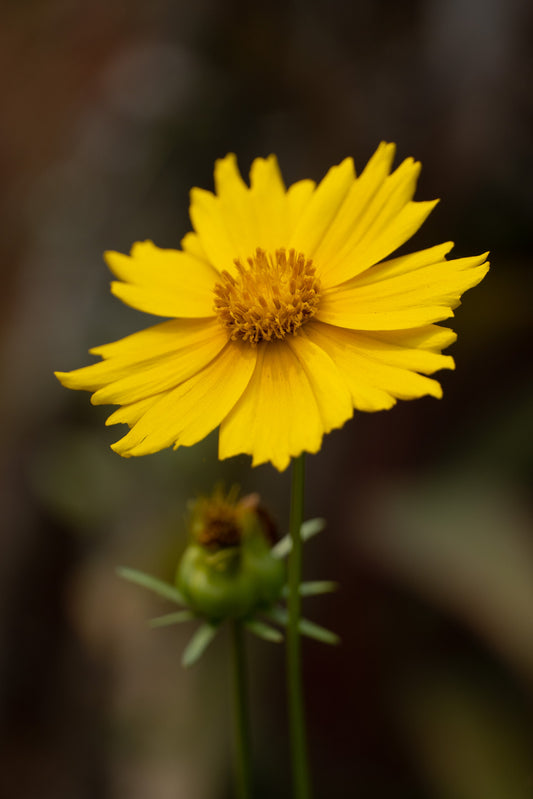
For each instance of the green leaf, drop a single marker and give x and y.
(199, 643)
(159, 587)
(312, 527)
(308, 529)
(264, 631)
(306, 627)
(313, 588)
(312, 630)
(172, 618)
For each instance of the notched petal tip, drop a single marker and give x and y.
(383, 146)
(227, 174)
(265, 172)
(385, 153)
(137, 249)
(229, 158)
(280, 463)
(140, 249)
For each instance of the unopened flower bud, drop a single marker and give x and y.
(227, 570)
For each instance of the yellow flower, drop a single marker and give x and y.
(285, 317)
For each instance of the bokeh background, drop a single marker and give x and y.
(111, 111)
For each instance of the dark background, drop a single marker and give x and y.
(110, 113)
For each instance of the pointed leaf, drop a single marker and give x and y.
(306, 627)
(313, 588)
(172, 618)
(317, 587)
(159, 587)
(264, 631)
(312, 527)
(199, 643)
(308, 529)
(312, 630)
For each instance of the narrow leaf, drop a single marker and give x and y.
(313, 588)
(308, 529)
(312, 630)
(172, 618)
(312, 527)
(198, 643)
(264, 631)
(306, 627)
(159, 587)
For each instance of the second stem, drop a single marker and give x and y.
(299, 760)
(242, 724)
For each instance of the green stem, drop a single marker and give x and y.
(300, 769)
(243, 758)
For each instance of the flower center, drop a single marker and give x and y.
(273, 296)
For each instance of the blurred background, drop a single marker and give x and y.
(110, 113)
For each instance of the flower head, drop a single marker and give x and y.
(285, 317)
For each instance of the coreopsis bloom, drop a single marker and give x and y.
(285, 317)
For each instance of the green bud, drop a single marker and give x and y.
(227, 570)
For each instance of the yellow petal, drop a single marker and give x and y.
(431, 338)
(157, 340)
(376, 376)
(321, 208)
(188, 413)
(414, 296)
(405, 263)
(348, 225)
(376, 218)
(191, 244)
(129, 414)
(387, 347)
(239, 219)
(236, 207)
(327, 382)
(172, 350)
(162, 373)
(278, 416)
(381, 242)
(226, 223)
(298, 197)
(163, 282)
(269, 202)
(228, 179)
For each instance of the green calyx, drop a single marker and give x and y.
(236, 575)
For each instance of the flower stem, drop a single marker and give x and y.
(243, 759)
(300, 769)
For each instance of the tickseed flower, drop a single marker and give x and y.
(285, 315)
